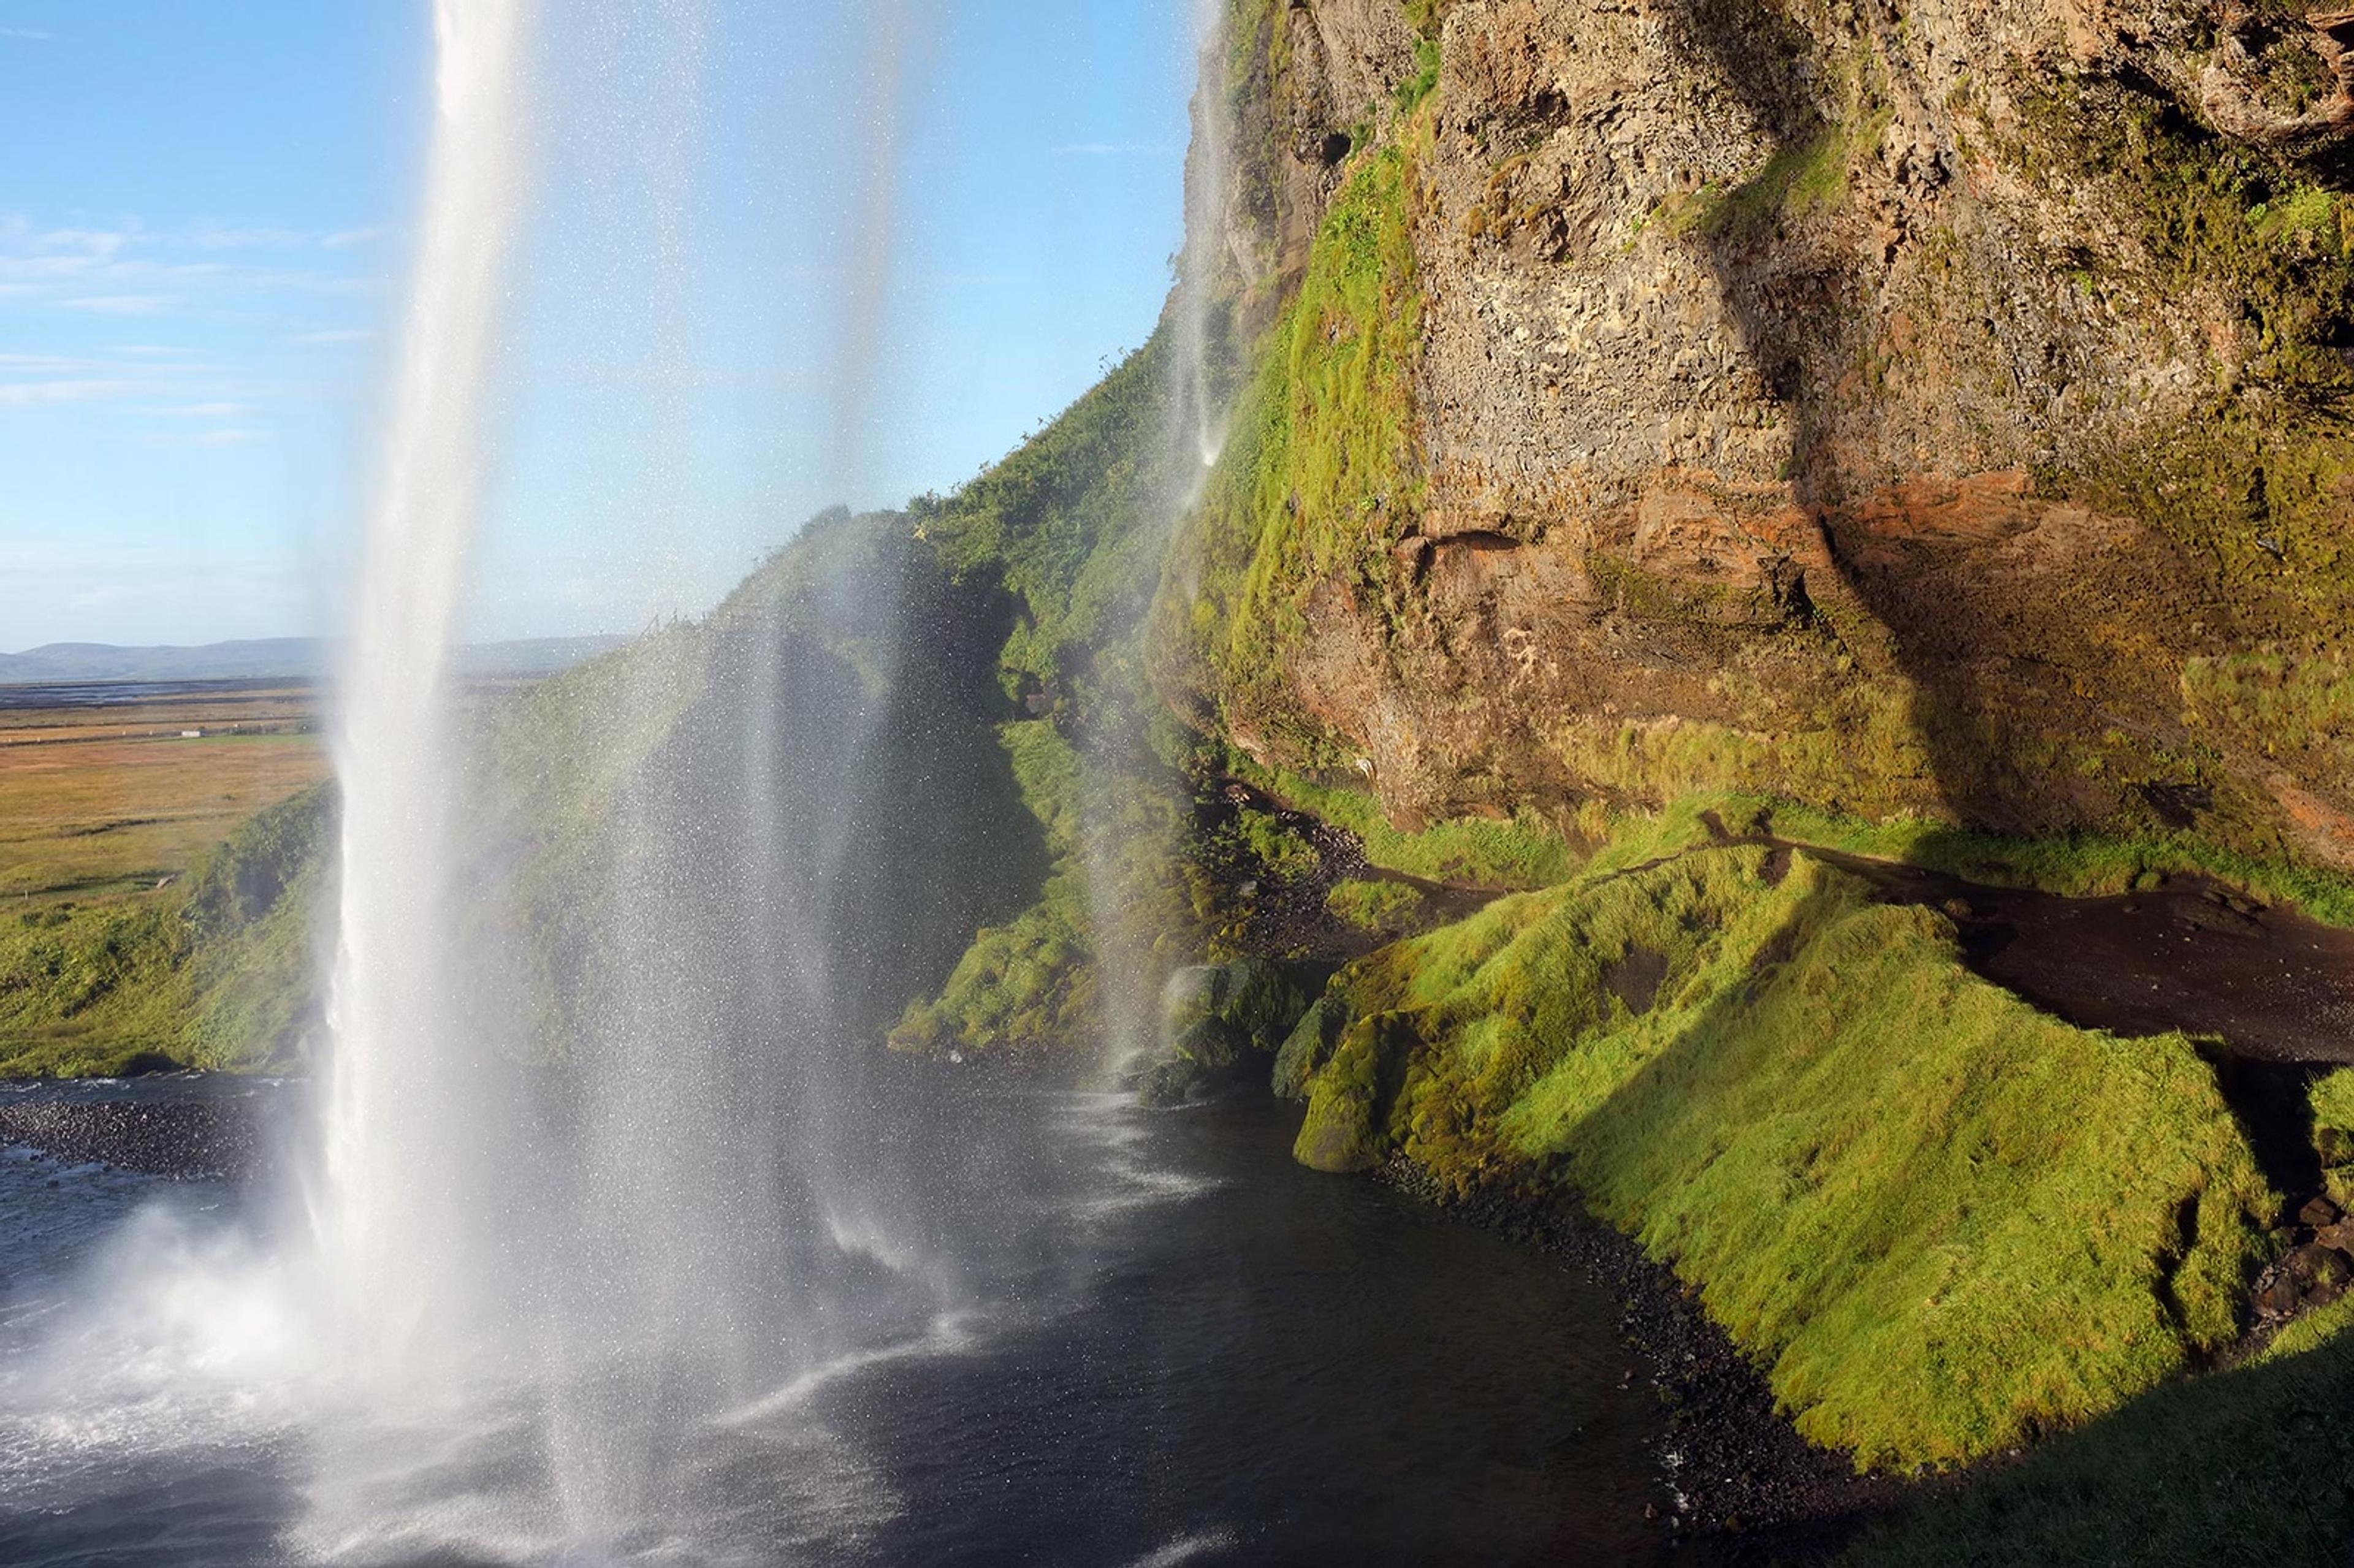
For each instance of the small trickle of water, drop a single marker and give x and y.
(1209, 180)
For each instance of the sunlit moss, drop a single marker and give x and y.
(2247, 1466)
(1383, 908)
(1943, 1221)
(1320, 473)
(217, 971)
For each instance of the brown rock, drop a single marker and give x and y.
(2318, 1212)
(2319, 1269)
(1824, 461)
(2278, 1295)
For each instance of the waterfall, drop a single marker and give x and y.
(690, 1207)
(391, 1194)
(575, 1248)
(1209, 178)
(1194, 429)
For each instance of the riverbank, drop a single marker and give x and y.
(1732, 1468)
(183, 1127)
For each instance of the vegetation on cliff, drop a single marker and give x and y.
(2245, 1465)
(1945, 1222)
(1319, 476)
(218, 971)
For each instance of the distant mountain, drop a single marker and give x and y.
(298, 658)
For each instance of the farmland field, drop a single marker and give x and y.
(108, 793)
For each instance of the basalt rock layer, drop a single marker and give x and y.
(1928, 409)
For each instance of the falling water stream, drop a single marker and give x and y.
(714, 1281)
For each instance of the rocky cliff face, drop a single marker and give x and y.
(1933, 408)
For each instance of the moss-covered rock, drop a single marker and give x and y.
(1943, 1221)
(1308, 1046)
(1213, 1017)
(2332, 1097)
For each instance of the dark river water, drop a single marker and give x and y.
(1177, 1347)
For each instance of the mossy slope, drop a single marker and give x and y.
(218, 971)
(2248, 1465)
(1943, 1222)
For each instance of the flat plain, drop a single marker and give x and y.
(110, 792)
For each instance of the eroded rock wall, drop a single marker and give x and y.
(1930, 407)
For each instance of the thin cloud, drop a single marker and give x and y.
(1113, 149)
(210, 239)
(343, 239)
(29, 34)
(208, 412)
(101, 244)
(38, 394)
(121, 304)
(333, 335)
(238, 436)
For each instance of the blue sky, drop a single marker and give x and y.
(202, 236)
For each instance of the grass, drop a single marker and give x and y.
(104, 804)
(2076, 865)
(2332, 1097)
(1388, 909)
(1072, 525)
(1521, 851)
(1321, 475)
(1031, 985)
(2250, 1466)
(1943, 1222)
(2251, 480)
(156, 892)
(217, 971)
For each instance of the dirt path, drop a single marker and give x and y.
(2273, 984)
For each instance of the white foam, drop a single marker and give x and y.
(1186, 1548)
(950, 1334)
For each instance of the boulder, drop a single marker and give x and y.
(1169, 1081)
(2319, 1269)
(1308, 1046)
(1212, 1016)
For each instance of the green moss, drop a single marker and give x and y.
(1425, 80)
(1797, 179)
(1524, 851)
(1072, 525)
(2254, 482)
(2077, 865)
(1859, 753)
(1275, 848)
(219, 971)
(2311, 1330)
(2297, 705)
(2249, 1466)
(1384, 908)
(1943, 1221)
(1319, 475)
(1032, 984)
(2332, 1097)
(1028, 986)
